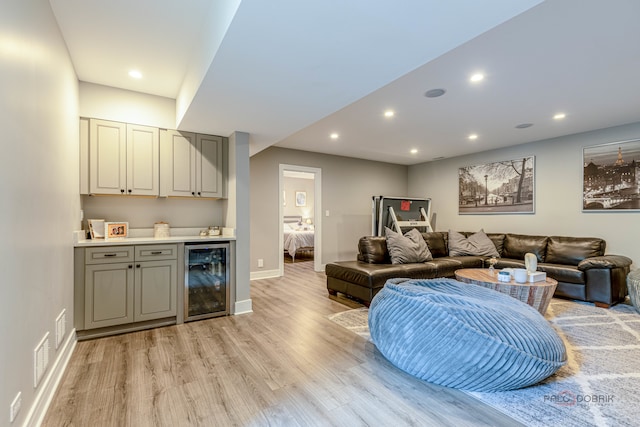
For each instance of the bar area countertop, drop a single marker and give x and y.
(145, 237)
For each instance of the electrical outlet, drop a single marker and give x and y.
(14, 409)
(260, 263)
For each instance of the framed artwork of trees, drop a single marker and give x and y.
(504, 187)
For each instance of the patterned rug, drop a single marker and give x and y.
(597, 387)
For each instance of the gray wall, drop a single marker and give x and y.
(39, 187)
(347, 187)
(558, 193)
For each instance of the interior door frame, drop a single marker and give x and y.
(317, 213)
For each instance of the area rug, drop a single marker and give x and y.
(597, 387)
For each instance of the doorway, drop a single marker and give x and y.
(300, 189)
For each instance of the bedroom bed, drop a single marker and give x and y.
(298, 236)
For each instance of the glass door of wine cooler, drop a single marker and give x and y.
(206, 280)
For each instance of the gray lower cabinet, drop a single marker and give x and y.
(128, 284)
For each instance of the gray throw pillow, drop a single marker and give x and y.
(408, 248)
(478, 244)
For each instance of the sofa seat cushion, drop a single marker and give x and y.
(446, 266)
(572, 250)
(563, 273)
(509, 263)
(463, 336)
(376, 275)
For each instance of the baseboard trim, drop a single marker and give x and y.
(243, 307)
(266, 274)
(48, 388)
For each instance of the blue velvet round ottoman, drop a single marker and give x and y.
(463, 336)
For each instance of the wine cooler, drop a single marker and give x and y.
(206, 280)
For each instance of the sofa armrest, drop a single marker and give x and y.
(605, 261)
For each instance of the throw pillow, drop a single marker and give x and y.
(408, 248)
(478, 244)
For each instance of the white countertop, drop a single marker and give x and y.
(145, 237)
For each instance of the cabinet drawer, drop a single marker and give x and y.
(104, 255)
(156, 252)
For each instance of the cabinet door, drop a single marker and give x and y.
(143, 160)
(156, 290)
(178, 154)
(108, 295)
(107, 157)
(209, 166)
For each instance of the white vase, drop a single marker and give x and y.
(530, 262)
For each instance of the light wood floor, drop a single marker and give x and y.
(285, 364)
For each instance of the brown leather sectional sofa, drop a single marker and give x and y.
(579, 264)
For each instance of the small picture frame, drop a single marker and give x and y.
(301, 198)
(116, 230)
(96, 228)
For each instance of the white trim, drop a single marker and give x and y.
(264, 274)
(243, 307)
(47, 388)
(317, 214)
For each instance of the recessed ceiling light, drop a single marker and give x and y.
(434, 93)
(524, 125)
(389, 113)
(334, 136)
(135, 74)
(476, 77)
(559, 116)
(473, 136)
(414, 151)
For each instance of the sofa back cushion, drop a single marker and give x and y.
(373, 250)
(572, 250)
(437, 243)
(498, 241)
(517, 245)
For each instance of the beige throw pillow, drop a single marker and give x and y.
(408, 248)
(478, 244)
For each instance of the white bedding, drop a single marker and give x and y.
(296, 238)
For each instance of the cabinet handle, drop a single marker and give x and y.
(198, 193)
(109, 255)
(156, 253)
(129, 190)
(137, 265)
(193, 193)
(122, 190)
(130, 266)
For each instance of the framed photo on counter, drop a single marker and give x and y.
(116, 230)
(96, 228)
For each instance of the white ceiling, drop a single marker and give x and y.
(291, 72)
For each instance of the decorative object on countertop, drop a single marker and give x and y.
(161, 229)
(214, 230)
(116, 230)
(96, 228)
(633, 286)
(204, 233)
(530, 262)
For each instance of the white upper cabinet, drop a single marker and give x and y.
(123, 158)
(191, 165)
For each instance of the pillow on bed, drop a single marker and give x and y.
(408, 248)
(288, 226)
(478, 244)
